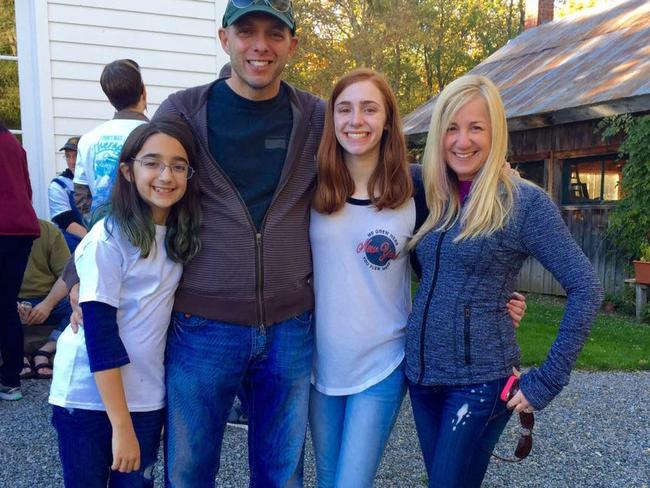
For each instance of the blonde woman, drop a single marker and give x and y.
(461, 346)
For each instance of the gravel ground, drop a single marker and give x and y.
(595, 434)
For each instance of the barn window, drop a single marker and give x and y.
(9, 101)
(533, 171)
(592, 180)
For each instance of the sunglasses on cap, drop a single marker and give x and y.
(278, 5)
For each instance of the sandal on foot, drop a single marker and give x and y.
(28, 369)
(45, 365)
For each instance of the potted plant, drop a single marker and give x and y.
(642, 266)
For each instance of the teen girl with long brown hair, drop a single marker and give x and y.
(363, 215)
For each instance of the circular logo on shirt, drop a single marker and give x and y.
(379, 249)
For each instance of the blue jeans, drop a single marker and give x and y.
(206, 362)
(59, 316)
(85, 447)
(350, 432)
(458, 427)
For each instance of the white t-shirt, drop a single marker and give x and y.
(57, 196)
(111, 271)
(362, 286)
(98, 155)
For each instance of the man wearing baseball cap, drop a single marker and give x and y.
(63, 211)
(243, 310)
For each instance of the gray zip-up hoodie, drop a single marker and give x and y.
(241, 275)
(459, 331)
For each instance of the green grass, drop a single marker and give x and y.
(616, 341)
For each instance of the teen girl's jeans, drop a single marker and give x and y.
(458, 427)
(14, 252)
(85, 447)
(206, 362)
(351, 431)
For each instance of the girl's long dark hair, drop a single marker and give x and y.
(3, 127)
(131, 214)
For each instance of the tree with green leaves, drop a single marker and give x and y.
(629, 223)
(9, 101)
(420, 45)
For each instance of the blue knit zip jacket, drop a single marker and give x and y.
(459, 331)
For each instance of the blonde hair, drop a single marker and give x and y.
(490, 201)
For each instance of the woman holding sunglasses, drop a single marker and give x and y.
(461, 347)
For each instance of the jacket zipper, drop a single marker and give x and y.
(426, 308)
(259, 289)
(259, 269)
(468, 313)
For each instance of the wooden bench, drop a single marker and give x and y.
(641, 296)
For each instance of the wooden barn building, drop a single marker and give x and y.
(558, 80)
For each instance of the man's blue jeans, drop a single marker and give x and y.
(350, 432)
(458, 427)
(206, 362)
(85, 448)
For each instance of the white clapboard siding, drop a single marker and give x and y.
(175, 8)
(174, 42)
(179, 62)
(77, 90)
(61, 73)
(141, 21)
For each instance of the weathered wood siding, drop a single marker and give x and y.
(587, 223)
(588, 226)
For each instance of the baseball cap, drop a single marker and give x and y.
(70, 144)
(280, 9)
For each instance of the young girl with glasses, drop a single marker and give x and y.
(363, 216)
(108, 391)
(461, 347)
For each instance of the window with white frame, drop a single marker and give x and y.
(9, 97)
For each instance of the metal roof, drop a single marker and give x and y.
(587, 65)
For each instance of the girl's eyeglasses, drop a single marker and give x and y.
(278, 5)
(153, 164)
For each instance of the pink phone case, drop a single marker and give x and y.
(505, 393)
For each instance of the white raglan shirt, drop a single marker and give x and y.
(111, 271)
(362, 287)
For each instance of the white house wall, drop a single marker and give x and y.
(173, 41)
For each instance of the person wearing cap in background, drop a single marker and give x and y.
(99, 149)
(63, 210)
(242, 313)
